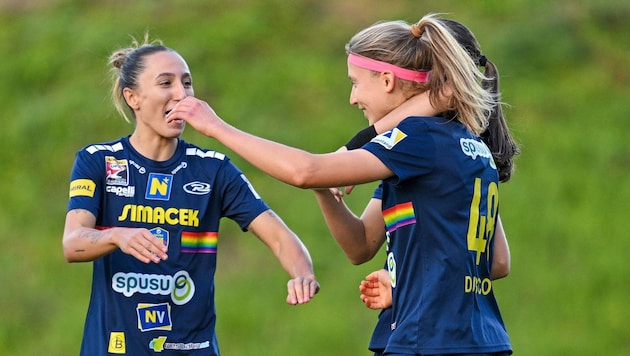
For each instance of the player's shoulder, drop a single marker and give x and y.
(108, 147)
(193, 151)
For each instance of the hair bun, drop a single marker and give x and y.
(119, 58)
(416, 31)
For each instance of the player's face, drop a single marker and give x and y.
(369, 93)
(164, 82)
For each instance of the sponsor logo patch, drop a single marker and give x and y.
(159, 186)
(159, 344)
(474, 149)
(197, 188)
(117, 343)
(179, 286)
(154, 316)
(390, 139)
(82, 187)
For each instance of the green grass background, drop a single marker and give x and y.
(277, 69)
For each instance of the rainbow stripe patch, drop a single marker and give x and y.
(399, 215)
(199, 242)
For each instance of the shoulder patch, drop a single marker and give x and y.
(112, 148)
(192, 151)
(390, 139)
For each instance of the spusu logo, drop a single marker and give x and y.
(197, 188)
(474, 149)
(180, 286)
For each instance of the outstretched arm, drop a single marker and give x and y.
(291, 253)
(82, 242)
(287, 164)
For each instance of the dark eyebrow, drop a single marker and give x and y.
(167, 74)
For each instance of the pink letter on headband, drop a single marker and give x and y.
(378, 66)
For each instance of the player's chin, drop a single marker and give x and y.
(175, 129)
(173, 132)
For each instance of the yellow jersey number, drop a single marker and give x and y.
(481, 227)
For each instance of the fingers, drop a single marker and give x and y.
(301, 290)
(145, 246)
(180, 109)
(373, 277)
(337, 193)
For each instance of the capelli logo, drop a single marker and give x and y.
(197, 188)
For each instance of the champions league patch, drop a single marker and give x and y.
(389, 139)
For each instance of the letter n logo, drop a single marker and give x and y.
(159, 186)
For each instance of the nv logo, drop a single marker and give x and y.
(159, 186)
(154, 316)
(117, 343)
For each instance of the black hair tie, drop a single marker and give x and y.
(482, 60)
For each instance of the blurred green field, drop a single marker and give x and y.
(277, 69)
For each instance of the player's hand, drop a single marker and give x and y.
(141, 244)
(376, 290)
(337, 192)
(301, 290)
(197, 113)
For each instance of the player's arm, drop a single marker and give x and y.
(82, 242)
(360, 238)
(288, 164)
(501, 258)
(291, 253)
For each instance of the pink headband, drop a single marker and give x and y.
(378, 66)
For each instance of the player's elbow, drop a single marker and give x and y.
(71, 253)
(500, 268)
(69, 257)
(304, 175)
(359, 257)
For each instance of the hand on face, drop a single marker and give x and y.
(197, 113)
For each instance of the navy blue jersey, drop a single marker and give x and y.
(440, 210)
(137, 308)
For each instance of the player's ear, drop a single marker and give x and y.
(131, 98)
(389, 81)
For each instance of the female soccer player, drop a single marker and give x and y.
(145, 209)
(440, 201)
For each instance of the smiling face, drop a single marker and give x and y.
(164, 81)
(373, 93)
